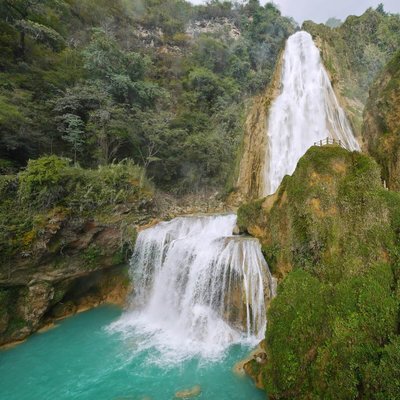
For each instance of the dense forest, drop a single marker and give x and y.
(163, 83)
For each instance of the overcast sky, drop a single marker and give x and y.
(321, 10)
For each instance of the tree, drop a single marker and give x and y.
(380, 9)
(26, 17)
(121, 73)
(333, 22)
(73, 133)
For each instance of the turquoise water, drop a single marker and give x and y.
(81, 360)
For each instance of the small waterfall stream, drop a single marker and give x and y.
(198, 288)
(305, 112)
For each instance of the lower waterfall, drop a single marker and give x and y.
(197, 288)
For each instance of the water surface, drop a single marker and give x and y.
(81, 359)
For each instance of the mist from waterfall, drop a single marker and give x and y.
(198, 288)
(306, 111)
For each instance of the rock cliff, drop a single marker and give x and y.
(381, 129)
(75, 264)
(255, 146)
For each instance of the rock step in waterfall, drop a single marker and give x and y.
(198, 288)
(306, 111)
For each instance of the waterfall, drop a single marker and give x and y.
(305, 112)
(198, 288)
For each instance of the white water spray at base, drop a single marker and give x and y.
(198, 289)
(305, 112)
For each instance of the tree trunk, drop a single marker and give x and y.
(22, 47)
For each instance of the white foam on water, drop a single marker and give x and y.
(198, 289)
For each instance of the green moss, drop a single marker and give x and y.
(248, 213)
(91, 256)
(332, 237)
(50, 192)
(119, 257)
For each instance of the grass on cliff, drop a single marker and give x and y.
(332, 236)
(51, 190)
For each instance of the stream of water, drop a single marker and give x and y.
(305, 112)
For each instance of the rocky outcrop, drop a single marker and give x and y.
(322, 214)
(188, 393)
(221, 26)
(73, 264)
(255, 146)
(381, 129)
(331, 236)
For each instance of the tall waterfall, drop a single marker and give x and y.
(305, 112)
(198, 288)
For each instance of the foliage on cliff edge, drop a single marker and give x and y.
(50, 193)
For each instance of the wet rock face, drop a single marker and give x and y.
(35, 303)
(250, 182)
(26, 309)
(74, 264)
(381, 129)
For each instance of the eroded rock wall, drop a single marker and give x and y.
(255, 143)
(381, 128)
(75, 264)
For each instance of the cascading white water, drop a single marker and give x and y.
(305, 112)
(198, 289)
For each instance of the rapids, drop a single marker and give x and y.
(198, 288)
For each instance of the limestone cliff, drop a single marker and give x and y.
(255, 146)
(381, 128)
(74, 264)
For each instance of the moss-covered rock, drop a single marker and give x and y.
(332, 217)
(331, 235)
(381, 128)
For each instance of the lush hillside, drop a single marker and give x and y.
(381, 128)
(163, 83)
(331, 234)
(355, 53)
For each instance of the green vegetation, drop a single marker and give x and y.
(50, 190)
(381, 122)
(333, 22)
(100, 81)
(91, 256)
(331, 235)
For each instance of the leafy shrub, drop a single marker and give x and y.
(51, 181)
(42, 184)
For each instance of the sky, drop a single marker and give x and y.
(321, 10)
